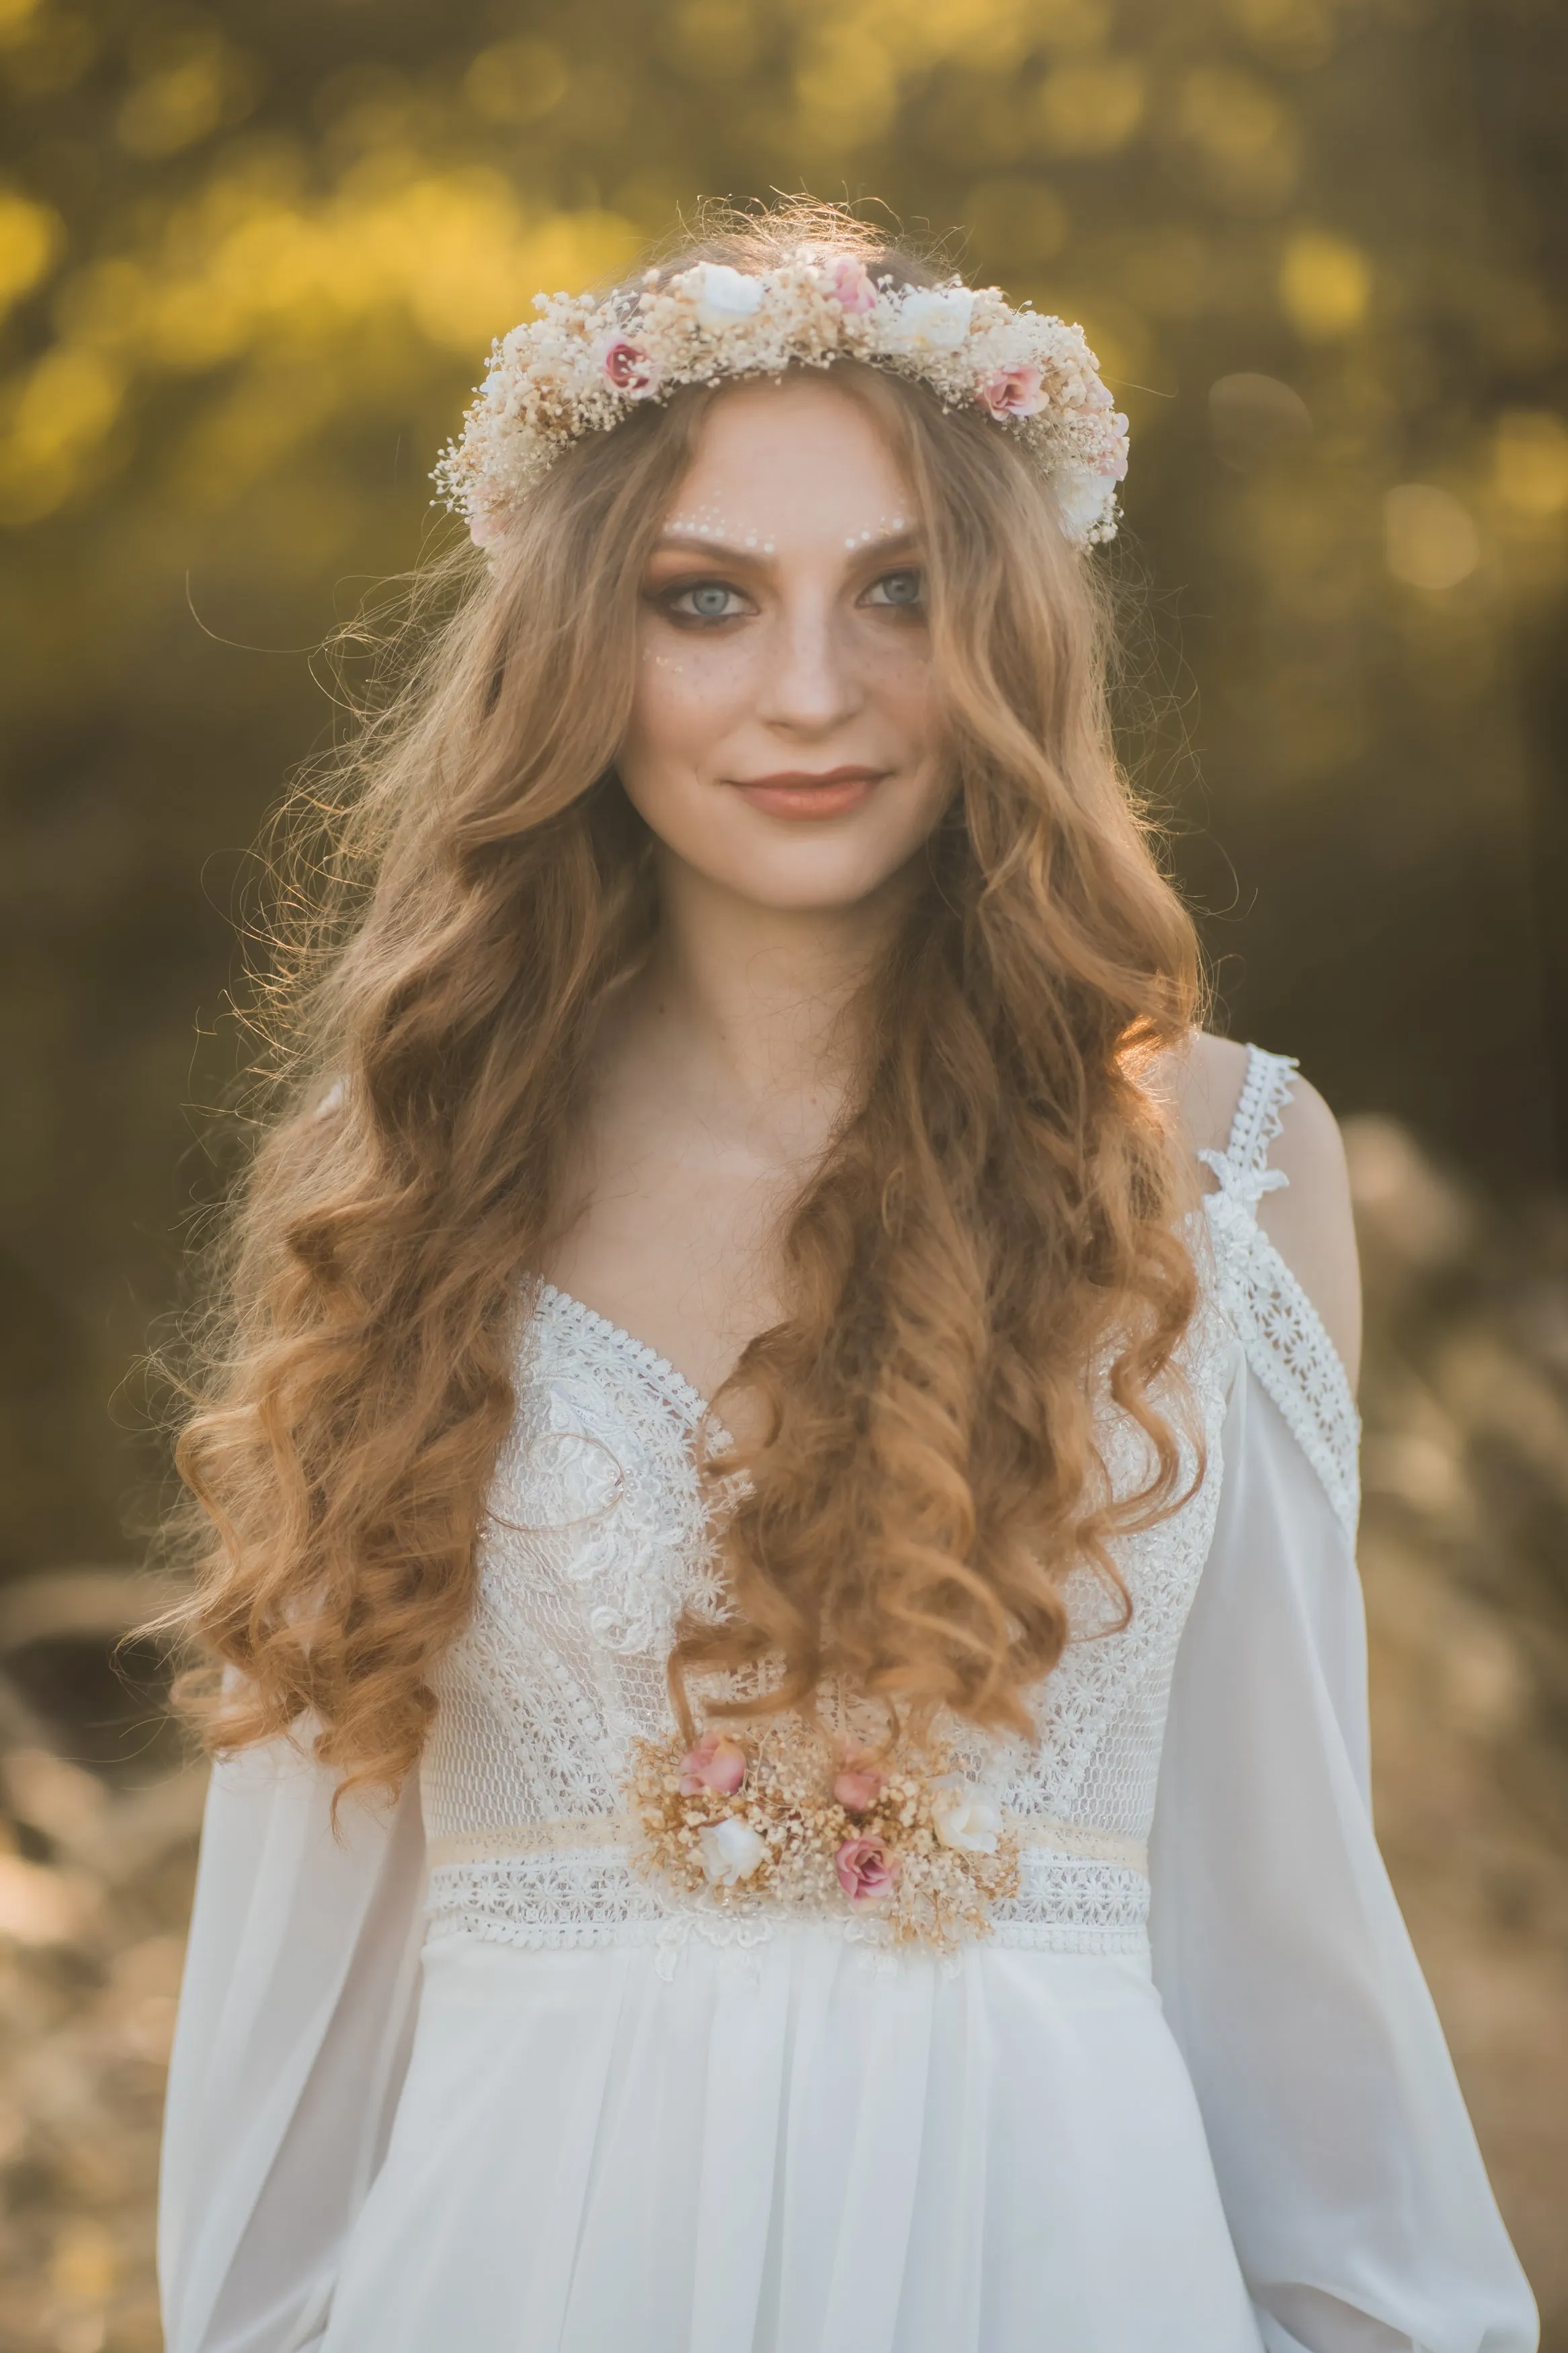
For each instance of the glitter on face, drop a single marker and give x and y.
(706, 522)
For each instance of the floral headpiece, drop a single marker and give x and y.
(583, 365)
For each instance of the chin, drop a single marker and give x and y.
(791, 868)
(803, 878)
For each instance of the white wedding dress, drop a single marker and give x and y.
(461, 2081)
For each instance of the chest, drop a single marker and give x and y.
(599, 1537)
(674, 1209)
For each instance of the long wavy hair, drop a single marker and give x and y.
(989, 1245)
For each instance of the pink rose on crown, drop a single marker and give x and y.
(717, 1764)
(631, 367)
(1013, 391)
(867, 1870)
(850, 286)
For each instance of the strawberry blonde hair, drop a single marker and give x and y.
(989, 1237)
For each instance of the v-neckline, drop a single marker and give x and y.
(696, 1408)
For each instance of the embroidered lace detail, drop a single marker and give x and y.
(1286, 1342)
(1098, 1900)
(548, 1902)
(598, 1535)
(562, 1902)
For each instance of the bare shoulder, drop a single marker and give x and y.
(1308, 1219)
(1204, 1085)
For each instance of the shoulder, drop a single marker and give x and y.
(1308, 1218)
(1202, 1085)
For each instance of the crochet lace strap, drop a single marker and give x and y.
(1287, 1344)
(1242, 1168)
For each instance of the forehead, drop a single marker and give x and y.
(799, 457)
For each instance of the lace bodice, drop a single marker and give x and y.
(597, 1539)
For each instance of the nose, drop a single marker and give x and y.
(809, 687)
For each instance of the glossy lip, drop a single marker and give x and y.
(800, 793)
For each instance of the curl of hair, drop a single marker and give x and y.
(989, 1241)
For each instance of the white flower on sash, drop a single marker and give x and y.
(730, 1851)
(964, 1819)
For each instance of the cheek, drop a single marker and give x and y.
(901, 676)
(686, 694)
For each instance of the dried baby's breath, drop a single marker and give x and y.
(942, 1894)
(582, 365)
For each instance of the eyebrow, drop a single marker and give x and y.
(721, 552)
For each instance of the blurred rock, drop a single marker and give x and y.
(1410, 1217)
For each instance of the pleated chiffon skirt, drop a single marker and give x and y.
(805, 2147)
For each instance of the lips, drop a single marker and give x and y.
(798, 793)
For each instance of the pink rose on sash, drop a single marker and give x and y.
(867, 1870)
(717, 1764)
(856, 1785)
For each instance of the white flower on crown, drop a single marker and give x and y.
(1079, 496)
(724, 296)
(582, 366)
(932, 319)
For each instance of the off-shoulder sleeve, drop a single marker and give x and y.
(293, 2036)
(1354, 2190)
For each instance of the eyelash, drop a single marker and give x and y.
(889, 604)
(672, 601)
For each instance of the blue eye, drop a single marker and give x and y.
(708, 600)
(901, 588)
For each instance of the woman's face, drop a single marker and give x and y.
(784, 741)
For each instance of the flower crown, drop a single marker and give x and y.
(583, 365)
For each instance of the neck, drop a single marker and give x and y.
(758, 999)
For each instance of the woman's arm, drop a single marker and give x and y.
(1355, 2193)
(292, 2035)
(1308, 1218)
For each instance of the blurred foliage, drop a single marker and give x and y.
(250, 256)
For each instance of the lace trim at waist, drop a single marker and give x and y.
(585, 1834)
(567, 1898)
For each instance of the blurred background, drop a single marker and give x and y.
(250, 258)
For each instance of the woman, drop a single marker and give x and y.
(879, 1859)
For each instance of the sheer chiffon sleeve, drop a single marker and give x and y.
(292, 2038)
(1351, 2181)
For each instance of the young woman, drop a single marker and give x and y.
(792, 1748)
